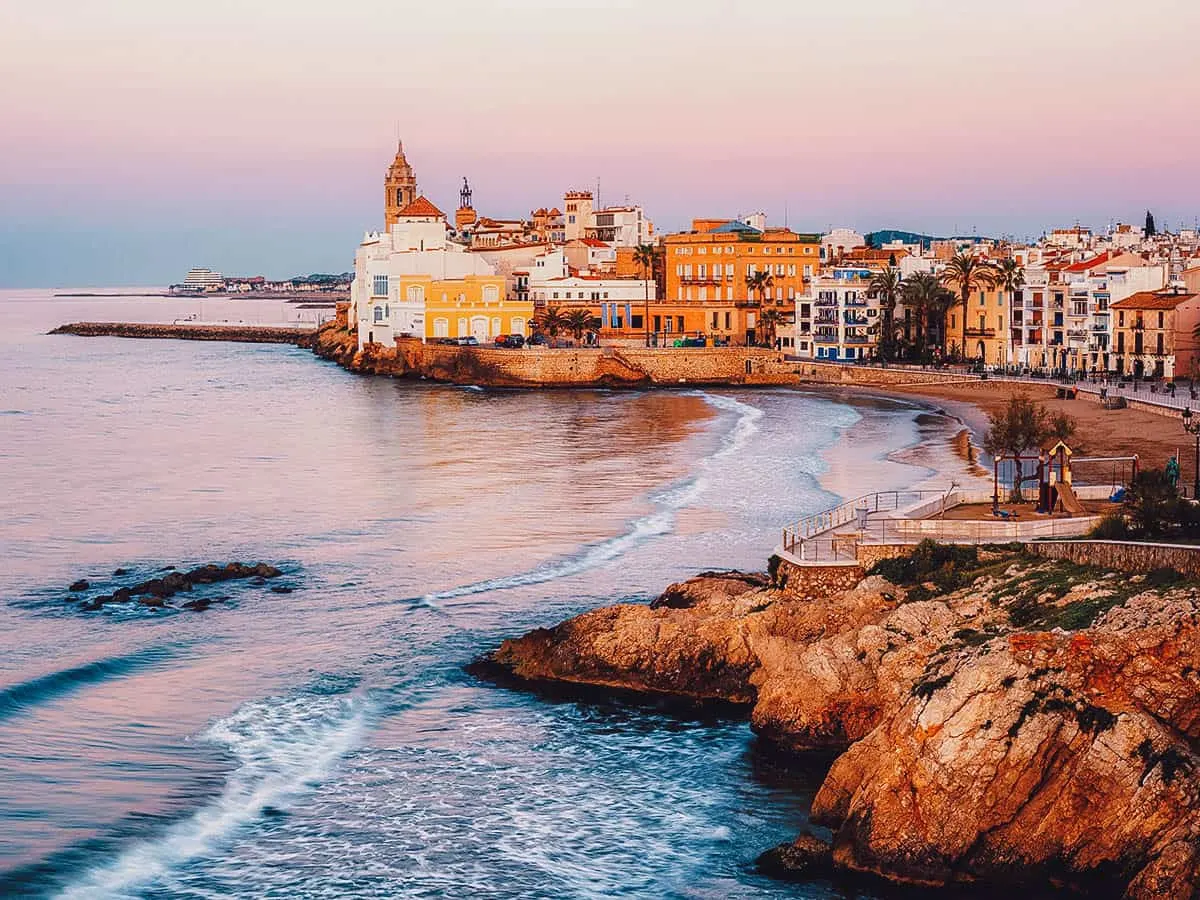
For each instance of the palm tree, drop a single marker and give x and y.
(930, 301)
(760, 281)
(577, 321)
(551, 320)
(887, 285)
(770, 319)
(643, 255)
(968, 273)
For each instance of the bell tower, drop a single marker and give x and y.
(465, 216)
(400, 187)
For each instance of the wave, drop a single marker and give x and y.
(655, 524)
(19, 698)
(283, 746)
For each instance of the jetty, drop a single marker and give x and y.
(191, 331)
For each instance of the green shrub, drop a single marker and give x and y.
(1111, 528)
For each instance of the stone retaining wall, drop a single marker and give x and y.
(1123, 556)
(815, 582)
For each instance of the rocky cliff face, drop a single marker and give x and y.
(1007, 720)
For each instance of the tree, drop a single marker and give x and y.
(887, 285)
(577, 321)
(1150, 230)
(930, 301)
(643, 255)
(1153, 504)
(968, 273)
(760, 281)
(550, 320)
(770, 319)
(1021, 426)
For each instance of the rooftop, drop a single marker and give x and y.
(1154, 300)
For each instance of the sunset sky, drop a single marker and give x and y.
(251, 136)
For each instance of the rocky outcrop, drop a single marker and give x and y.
(155, 592)
(999, 718)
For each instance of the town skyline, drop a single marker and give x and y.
(215, 125)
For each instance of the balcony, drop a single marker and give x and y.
(857, 339)
(860, 302)
(981, 332)
(851, 319)
(825, 338)
(699, 279)
(827, 319)
(1100, 327)
(827, 302)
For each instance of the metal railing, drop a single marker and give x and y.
(879, 501)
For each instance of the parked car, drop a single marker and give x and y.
(510, 341)
(538, 340)
(469, 341)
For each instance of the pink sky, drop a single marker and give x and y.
(927, 114)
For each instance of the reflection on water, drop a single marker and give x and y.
(327, 742)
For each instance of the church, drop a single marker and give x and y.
(411, 280)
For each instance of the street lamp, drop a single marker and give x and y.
(1193, 428)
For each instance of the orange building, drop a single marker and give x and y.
(706, 280)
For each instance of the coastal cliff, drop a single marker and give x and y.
(1000, 718)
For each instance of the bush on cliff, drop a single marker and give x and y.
(946, 565)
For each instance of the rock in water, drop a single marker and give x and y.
(81, 585)
(805, 858)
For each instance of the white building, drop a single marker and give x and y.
(836, 319)
(620, 226)
(552, 282)
(840, 241)
(416, 245)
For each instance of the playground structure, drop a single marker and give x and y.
(1056, 471)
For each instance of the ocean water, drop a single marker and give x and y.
(327, 742)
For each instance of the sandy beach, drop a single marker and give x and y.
(1101, 432)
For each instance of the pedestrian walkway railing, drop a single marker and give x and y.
(867, 505)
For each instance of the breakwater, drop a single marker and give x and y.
(252, 334)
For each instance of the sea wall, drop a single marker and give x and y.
(251, 334)
(1123, 556)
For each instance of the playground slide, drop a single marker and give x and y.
(1066, 496)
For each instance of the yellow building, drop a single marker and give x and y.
(987, 326)
(474, 306)
(706, 273)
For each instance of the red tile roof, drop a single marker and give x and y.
(421, 207)
(1086, 264)
(1153, 300)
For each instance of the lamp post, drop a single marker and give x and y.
(1193, 427)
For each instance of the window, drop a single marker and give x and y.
(808, 251)
(701, 250)
(791, 270)
(491, 293)
(556, 295)
(518, 325)
(379, 314)
(441, 328)
(728, 325)
(495, 326)
(416, 293)
(1160, 321)
(982, 298)
(463, 328)
(379, 286)
(571, 220)
(636, 322)
(808, 271)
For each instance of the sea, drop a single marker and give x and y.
(328, 742)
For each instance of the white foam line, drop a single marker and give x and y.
(283, 746)
(656, 524)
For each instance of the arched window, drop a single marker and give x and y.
(416, 293)
(518, 325)
(441, 328)
(463, 328)
(496, 325)
(491, 293)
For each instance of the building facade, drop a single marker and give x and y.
(708, 276)
(1154, 334)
